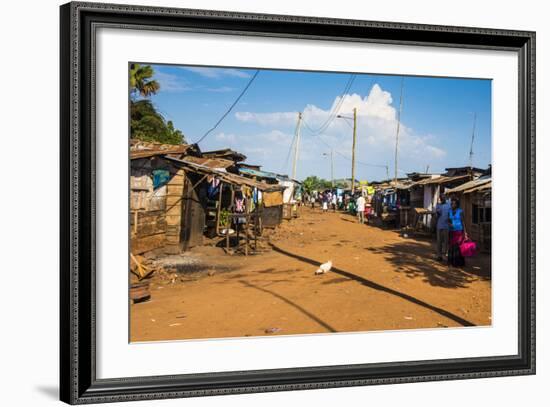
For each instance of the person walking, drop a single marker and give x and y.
(312, 201)
(360, 207)
(442, 226)
(325, 202)
(457, 234)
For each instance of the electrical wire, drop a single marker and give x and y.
(334, 112)
(230, 107)
(284, 168)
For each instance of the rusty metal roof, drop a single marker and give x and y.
(470, 186)
(224, 176)
(226, 153)
(485, 187)
(210, 162)
(152, 150)
(441, 180)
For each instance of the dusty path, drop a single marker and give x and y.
(380, 281)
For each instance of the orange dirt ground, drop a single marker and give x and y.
(379, 281)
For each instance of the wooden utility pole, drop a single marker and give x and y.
(353, 151)
(332, 167)
(471, 157)
(398, 125)
(297, 147)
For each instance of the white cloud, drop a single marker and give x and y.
(216, 73)
(171, 83)
(268, 119)
(436, 152)
(225, 137)
(221, 89)
(376, 127)
(274, 136)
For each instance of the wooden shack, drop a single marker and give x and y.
(425, 194)
(475, 201)
(172, 204)
(156, 188)
(269, 209)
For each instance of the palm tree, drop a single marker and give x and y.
(141, 82)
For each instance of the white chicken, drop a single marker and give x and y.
(324, 268)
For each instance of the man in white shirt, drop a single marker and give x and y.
(360, 203)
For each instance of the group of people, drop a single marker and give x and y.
(450, 227)
(328, 200)
(450, 230)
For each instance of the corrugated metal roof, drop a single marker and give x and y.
(258, 173)
(210, 162)
(267, 174)
(441, 180)
(224, 176)
(154, 150)
(471, 184)
(485, 187)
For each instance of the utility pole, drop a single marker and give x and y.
(332, 167)
(353, 151)
(398, 125)
(297, 147)
(472, 142)
(353, 146)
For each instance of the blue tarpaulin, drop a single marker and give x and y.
(160, 178)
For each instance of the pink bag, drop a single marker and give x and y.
(468, 248)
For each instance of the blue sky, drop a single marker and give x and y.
(435, 124)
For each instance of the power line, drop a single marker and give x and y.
(471, 155)
(348, 158)
(398, 125)
(284, 168)
(334, 112)
(294, 139)
(230, 108)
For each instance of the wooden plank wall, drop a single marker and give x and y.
(155, 215)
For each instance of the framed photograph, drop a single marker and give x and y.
(256, 203)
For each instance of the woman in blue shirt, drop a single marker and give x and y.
(457, 234)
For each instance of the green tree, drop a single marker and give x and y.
(314, 183)
(149, 125)
(174, 133)
(141, 82)
(146, 123)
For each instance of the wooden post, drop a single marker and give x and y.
(247, 225)
(397, 132)
(353, 151)
(219, 209)
(227, 239)
(297, 147)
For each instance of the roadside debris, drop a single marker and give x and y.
(139, 292)
(272, 330)
(324, 268)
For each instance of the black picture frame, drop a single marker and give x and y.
(78, 382)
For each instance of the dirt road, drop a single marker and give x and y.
(380, 281)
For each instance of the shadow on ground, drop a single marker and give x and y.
(379, 287)
(415, 260)
(298, 307)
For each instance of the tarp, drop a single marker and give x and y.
(272, 198)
